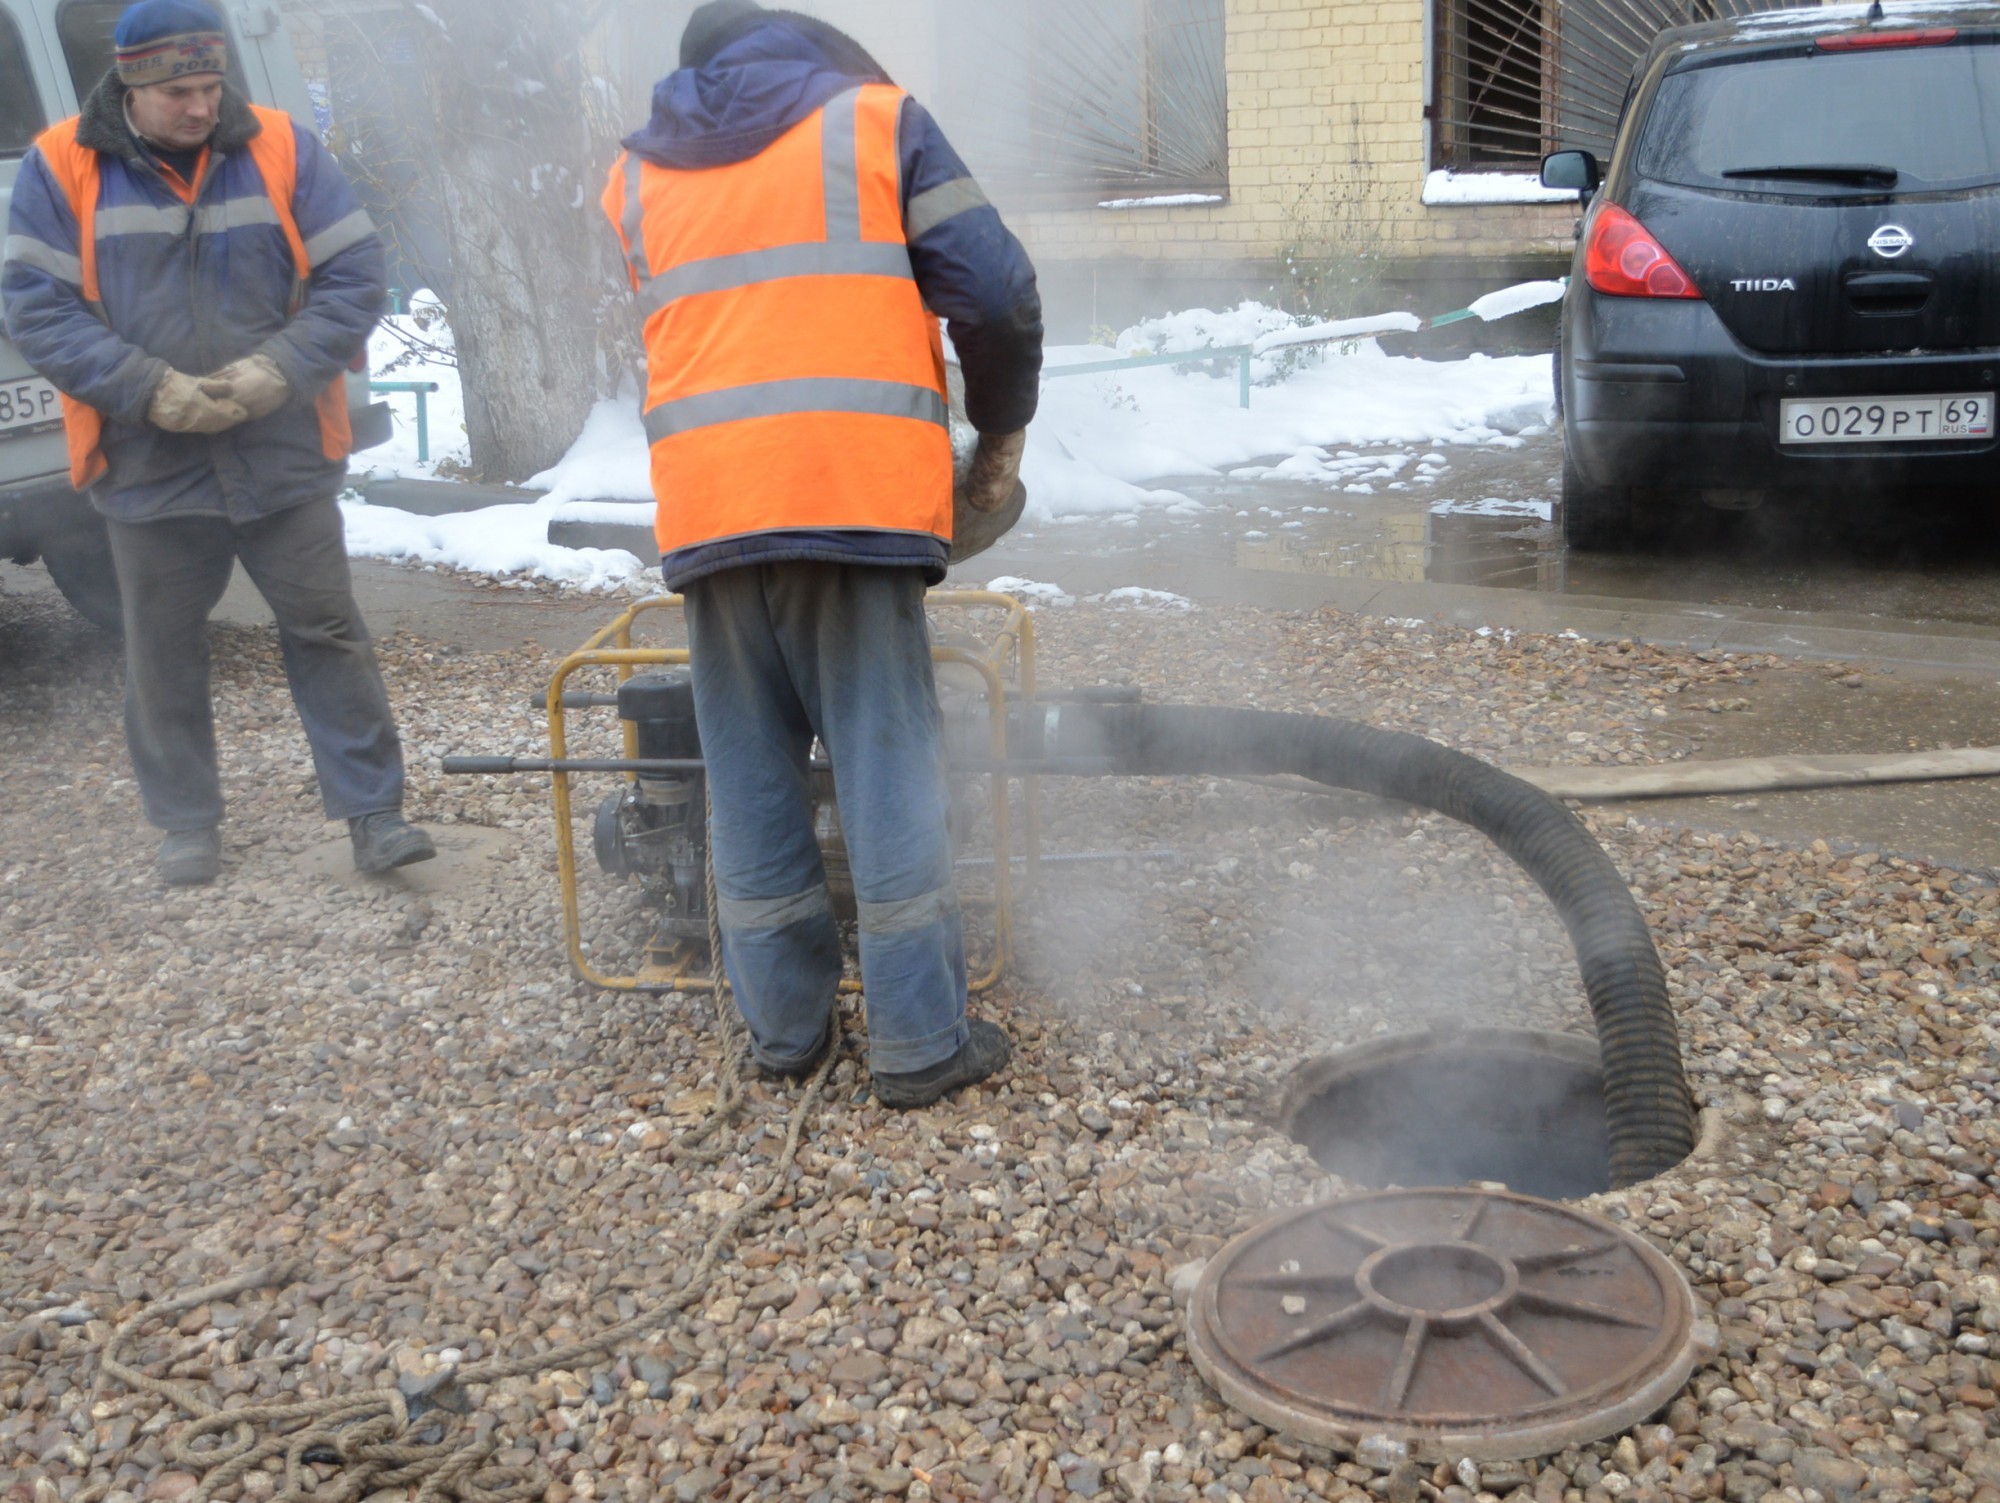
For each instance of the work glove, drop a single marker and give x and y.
(183, 404)
(996, 465)
(254, 383)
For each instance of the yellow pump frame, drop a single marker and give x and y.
(1005, 664)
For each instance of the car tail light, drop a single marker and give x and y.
(1863, 41)
(1622, 258)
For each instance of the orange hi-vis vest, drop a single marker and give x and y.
(794, 377)
(274, 151)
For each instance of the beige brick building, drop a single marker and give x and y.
(1323, 152)
(1164, 153)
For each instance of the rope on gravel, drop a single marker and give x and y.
(396, 1437)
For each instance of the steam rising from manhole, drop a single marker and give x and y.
(1518, 1107)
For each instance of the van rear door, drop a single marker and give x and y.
(31, 442)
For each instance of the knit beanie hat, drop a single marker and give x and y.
(159, 40)
(718, 23)
(710, 26)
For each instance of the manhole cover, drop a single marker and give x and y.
(1464, 1322)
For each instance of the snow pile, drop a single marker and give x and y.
(1339, 329)
(1030, 591)
(505, 539)
(1198, 329)
(1518, 299)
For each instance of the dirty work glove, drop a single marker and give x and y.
(255, 383)
(996, 465)
(182, 404)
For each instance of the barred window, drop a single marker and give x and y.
(1513, 79)
(1072, 98)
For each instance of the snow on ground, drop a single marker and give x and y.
(1104, 446)
(499, 540)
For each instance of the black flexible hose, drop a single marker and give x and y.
(1648, 1109)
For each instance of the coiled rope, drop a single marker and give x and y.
(397, 1437)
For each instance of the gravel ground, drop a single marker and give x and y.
(398, 1082)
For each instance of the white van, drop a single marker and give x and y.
(52, 54)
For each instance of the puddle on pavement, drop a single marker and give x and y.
(1481, 515)
(1506, 550)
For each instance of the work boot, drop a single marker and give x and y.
(385, 841)
(804, 1068)
(190, 858)
(984, 1052)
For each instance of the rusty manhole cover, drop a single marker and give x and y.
(1465, 1322)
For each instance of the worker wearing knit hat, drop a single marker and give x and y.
(156, 243)
(162, 40)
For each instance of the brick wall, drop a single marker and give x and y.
(1327, 145)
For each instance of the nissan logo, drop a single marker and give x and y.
(1891, 241)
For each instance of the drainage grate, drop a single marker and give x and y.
(1463, 1322)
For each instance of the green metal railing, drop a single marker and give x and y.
(1240, 353)
(421, 390)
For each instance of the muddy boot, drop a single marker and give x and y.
(190, 858)
(385, 841)
(984, 1052)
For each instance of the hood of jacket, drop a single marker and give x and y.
(757, 86)
(101, 124)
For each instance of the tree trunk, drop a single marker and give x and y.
(521, 150)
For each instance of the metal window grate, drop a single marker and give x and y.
(1096, 95)
(1513, 79)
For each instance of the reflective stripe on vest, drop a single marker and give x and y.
(274, 153)
(795, 379)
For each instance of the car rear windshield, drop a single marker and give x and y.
(20, 96)
(1930, 114)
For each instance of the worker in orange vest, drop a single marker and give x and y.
(195, 275)
(795, 225)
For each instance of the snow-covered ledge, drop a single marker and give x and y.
(1167, 201)
(1447, 187)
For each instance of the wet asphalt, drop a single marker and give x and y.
(1905, 588)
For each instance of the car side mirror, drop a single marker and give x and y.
(1574, 170)
(1577, 170)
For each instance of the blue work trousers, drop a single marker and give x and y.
(172, 572)
(781, 653)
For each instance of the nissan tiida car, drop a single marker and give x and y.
(1787, 281)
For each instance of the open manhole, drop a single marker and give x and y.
(1463, 1322)
(1512, 1106)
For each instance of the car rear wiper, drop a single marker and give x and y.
(1858, 174)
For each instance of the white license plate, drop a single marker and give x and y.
(1885, 420)
(28, 404)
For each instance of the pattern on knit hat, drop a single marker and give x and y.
(160, 40)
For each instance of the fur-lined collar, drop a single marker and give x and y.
(101, 124)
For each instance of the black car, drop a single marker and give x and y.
(1789, 278)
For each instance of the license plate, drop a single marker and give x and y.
(28, 404)
(1885, 420)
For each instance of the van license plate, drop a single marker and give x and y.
(1885, 420)
(28, 404)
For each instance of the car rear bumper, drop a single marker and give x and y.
(1660, 394)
